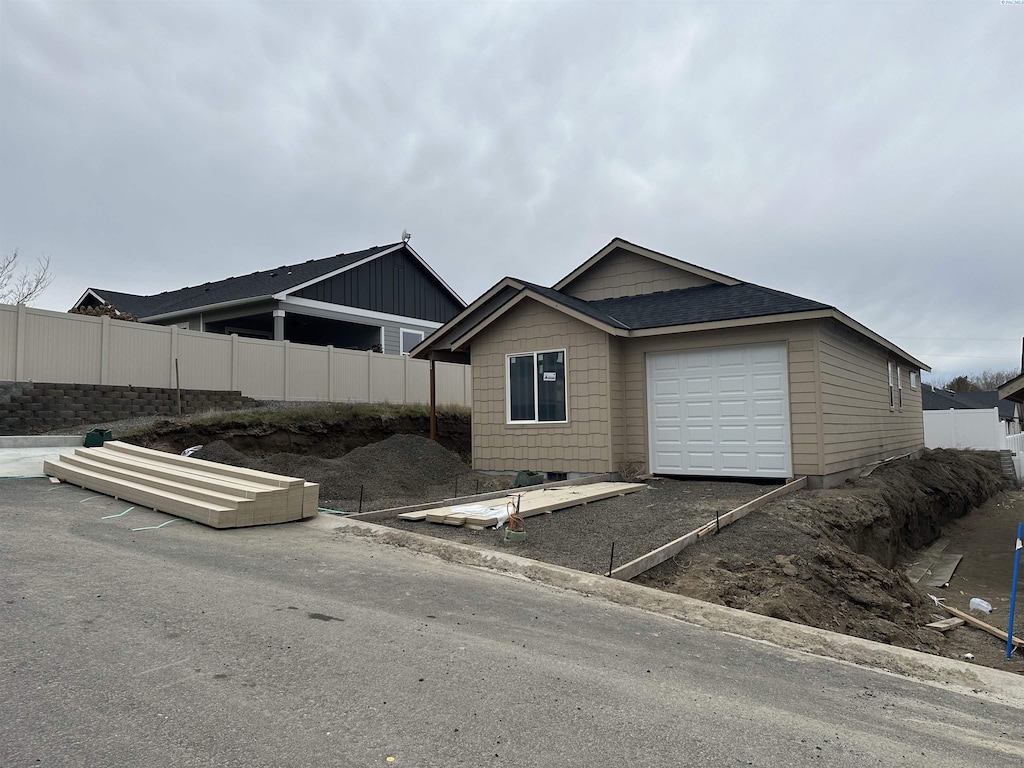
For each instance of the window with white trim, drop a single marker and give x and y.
(410, 339)
(892, 392)
(535, 387)
(913, 379)
(899, 385)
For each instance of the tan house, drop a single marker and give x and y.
(638, 358)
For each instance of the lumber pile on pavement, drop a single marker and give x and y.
(214, 494)
(536, 502)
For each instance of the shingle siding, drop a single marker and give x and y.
(623, 273)
(582, 444)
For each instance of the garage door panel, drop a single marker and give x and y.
(696, 386)
(738, 434)
(702, 409)
(721, 411)
(700, 435)
(770, 408)
(700, 463)
(733, 409)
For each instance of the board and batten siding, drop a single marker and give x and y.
(623, 273)
(632, 443)
(580, 445)
(858, 426)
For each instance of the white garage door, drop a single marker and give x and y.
(722, 411)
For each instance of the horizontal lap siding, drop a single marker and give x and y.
(858, 426)
(581, 445)
(622, 273)
(803, 396)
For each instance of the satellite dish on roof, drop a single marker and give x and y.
(406, 236)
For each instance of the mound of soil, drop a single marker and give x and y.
(403, 469)
(825, 558)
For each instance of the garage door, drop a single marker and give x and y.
(722, 411)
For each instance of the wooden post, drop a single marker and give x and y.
(433, 401)
(105, 349)
(177, 384)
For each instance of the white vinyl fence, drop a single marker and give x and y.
(1016, 444)
(44, 346)
(978, 428)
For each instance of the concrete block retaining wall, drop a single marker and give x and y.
(28, 408)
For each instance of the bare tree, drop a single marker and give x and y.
(988, 380)
(24, 285)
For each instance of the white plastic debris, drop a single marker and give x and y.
(977, 604)
(968, 656)
(937, 600)
(190, 451)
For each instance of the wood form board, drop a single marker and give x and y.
(635, 567)
(535, 502)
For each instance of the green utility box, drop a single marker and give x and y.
(95, 438)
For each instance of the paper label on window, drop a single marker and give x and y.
(549, 376)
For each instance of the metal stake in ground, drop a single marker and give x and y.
(611, 561)
(360, 499)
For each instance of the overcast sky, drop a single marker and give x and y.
(867, 155)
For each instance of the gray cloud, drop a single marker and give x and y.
(866, 155)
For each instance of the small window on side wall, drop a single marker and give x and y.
(899, 385)
(536, 390)
(913, 379)
(410, 339)
(892, 390)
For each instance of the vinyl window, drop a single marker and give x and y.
(913, 379)
(410, 339)
(535, 387)
(899, 385)
(892, 391)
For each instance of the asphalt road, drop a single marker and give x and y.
(288, 646)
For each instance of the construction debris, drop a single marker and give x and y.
(1017, 642)
(217, 495)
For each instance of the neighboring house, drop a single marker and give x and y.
(385, 298)
(636, 359)
(943, 400)
(1013, 391)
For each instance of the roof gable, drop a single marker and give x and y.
(624, 269)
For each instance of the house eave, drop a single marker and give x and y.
(1012, 390)
(204, 308)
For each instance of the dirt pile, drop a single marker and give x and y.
(825, 558)
(403, 469)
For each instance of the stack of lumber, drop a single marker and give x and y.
(214, 494)
(537, 502)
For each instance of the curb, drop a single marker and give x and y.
(1005, 687)
(41, 441)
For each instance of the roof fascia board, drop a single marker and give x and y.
(648, 253)
(205, 308)
(526, 293)
(89, 292)
(865, 331)
(1012, 390)
(280, 295)
(299, 303)
(423, 347)
(436, 276)
(814, 314)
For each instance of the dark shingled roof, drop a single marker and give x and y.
(933, 399)
(684, 306)
(264, 283)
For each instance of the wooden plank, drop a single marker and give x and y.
(944, 625)
(400, 512)
(635, 567)
(1017, 642)
(281, 481)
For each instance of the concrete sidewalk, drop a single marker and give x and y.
(23, 456)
